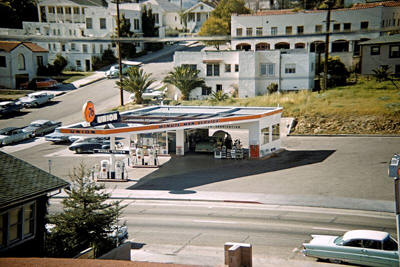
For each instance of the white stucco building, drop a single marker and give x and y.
(19, 62)
(250, 72)
(288, 29)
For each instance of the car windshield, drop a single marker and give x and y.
(35, 125)
(339, 241)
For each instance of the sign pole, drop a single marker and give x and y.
(394, 172)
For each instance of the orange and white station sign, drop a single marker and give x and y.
(88, 111)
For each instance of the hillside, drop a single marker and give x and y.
(367, 107)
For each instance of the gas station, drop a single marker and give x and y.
(163, 130)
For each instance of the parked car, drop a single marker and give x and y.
(113, 72)
(56, 137)
(8, 107)
(88, 145)
(157, 92)
(35, 99)
(364, 247)
(40, 83)
(11, 135)
(42, 127)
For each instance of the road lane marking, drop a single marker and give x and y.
(330, 229)
(207, 221)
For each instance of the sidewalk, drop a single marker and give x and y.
(252, 198)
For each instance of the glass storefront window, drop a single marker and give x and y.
(275, 132)
(265, 135)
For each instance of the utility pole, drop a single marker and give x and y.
(328, 24)
(121, 91)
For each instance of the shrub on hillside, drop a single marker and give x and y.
(272, 88)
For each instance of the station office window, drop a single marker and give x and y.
(290, 68)
(394, 51)
(265, 135)
(89, 23)
(3, 61)
(239, 31)
(275, 132)
(227, 67)
(212, 69)
(103, 23)
(318, 28)
(375, 50)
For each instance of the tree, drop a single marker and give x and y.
(149, 29)
(219, 96)
(214, 26)
(14, 12)
(382, 73)
(128, 50)
(87, 219)
(137, 81)
(226, 8)
(337, 72)
(185, 79)
(59, 63)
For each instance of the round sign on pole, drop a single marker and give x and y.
(88, 111)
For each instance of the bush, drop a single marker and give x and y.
(337, 72)
(272, 88)
(54, 69)
(107, 58)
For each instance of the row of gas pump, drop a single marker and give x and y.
(138, 157)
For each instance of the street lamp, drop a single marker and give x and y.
(394, 172)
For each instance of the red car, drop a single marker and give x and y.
(39, 83)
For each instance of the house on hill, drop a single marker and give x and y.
(19, 62)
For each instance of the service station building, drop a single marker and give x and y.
(179, 129)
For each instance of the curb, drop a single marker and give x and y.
(90, 82)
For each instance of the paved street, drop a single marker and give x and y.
(195, 232)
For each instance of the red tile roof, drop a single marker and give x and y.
(8, 46)
(355, 7)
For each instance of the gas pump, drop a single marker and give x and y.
(119, 169)
(153, 157)
(104, 169)
(139, 157)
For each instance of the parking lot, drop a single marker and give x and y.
(347, 167)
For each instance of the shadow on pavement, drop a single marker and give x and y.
(14, 114)
(200, 169)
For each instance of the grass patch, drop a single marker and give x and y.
(10, 94)
(367, 97)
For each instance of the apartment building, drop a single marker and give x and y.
(249, 72)
(381, 51)
(305, 29)
(69, 19)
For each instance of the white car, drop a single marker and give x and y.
(13, 134)
(113, 72)
(35, 99)
(157, 91)
(364, 247)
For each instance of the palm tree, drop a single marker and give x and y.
(219, 96)
(185, 79)
(137, 81)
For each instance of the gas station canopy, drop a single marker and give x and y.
(162, 118)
